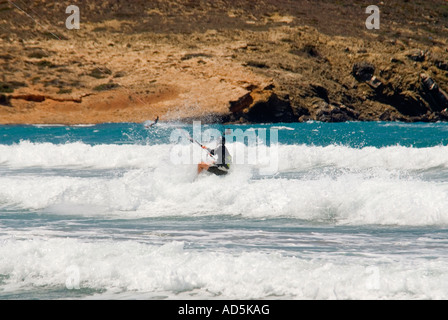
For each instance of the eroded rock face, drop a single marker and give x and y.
(241, 104)
(417, 55)
(363, 71)
(335, 113)
(245, 61)
(437, 97)
(5, 100)
(409, 103)
(414, 99)
(262, 106)
(442, 65)
(273, 109)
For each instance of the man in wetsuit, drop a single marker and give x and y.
(222, 165)
(152, 124)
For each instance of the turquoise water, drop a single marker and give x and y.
(353, 134)
(350, 211)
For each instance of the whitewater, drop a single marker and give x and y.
(351, 211)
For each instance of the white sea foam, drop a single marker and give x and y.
(283, 128)
(333, 185)
(291, 157)
(359, 186)
(348, 199)
(394, 157)
(78, 154)
(171, 271)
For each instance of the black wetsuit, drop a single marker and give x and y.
(155, 122)
(222, 165)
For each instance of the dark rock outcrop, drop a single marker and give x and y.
(6, 87)
(335, 113)
(262, 106)
(409, 103)
(399, 92)
(29, 97)
(363, 71)
(442, 65)
(437, 98)
(320, 91)
(242, 103)
(417, 55)
(274, 109)
(5, 100)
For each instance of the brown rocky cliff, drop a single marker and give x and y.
(232, 61)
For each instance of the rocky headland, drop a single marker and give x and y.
(223, 61)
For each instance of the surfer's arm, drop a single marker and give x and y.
(211, 151)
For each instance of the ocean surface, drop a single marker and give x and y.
(347, 211)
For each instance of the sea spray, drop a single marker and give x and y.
(105, 214)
